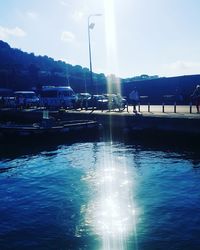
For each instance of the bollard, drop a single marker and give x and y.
(127, 107)
(86, 105)
(81, 105)
(163, 107)
(45, 114)
(139, 107)
(101, 107)
(148, 107)
(174, 107)
(190, 107)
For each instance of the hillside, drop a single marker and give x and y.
(23, 71)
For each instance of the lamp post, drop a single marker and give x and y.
(91, 26)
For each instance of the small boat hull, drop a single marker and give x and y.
(48, 130)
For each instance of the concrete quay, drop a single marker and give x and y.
(182, 122)
(179, 123)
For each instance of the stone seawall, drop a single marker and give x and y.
(185, 124)
(130, 122)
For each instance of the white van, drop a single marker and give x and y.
(52, 96)
(26, 98)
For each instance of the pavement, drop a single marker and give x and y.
(152, 111)
(155, 110)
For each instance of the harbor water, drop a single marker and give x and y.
(99, 195)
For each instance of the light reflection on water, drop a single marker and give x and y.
(111, 213)
(99, 196)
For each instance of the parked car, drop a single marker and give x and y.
(106, 102)
(26, 98)
(121, 102)
(7, 98)
(97, 102)
(8, 101)
(82, 99)
(116, 101)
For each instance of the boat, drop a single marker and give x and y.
(48, 127)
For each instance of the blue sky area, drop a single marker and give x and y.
(132, 37)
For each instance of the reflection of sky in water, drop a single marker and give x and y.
(111, 212)
(94, 196)
(129, 197)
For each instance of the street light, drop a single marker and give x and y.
(91, 26)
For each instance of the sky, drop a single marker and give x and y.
(130, 38)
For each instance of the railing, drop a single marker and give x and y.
(164, 108)
(172, 99)
(168, 101)
(142, 99)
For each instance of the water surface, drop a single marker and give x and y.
(99, 195)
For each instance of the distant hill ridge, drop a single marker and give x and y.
(21, 70)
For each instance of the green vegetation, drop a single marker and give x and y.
(23, 71)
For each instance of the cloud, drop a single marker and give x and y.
(182, 68)
(67, 36)
(7, 32)
(65, 3)
(78, 15)
(28, 15)
(32, 15)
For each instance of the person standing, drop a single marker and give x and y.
(134, 99)
(196, 96)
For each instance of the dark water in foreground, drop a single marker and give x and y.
(100, 196)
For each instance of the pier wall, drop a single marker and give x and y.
(139, 123)
(179, 124)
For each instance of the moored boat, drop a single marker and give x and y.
(48, 128)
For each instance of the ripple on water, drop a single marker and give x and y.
(100, 195)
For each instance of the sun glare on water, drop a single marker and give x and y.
(111, 214)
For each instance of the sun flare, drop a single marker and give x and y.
(111, 44)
